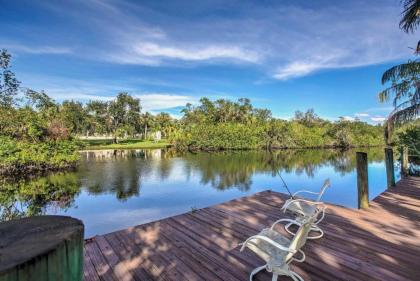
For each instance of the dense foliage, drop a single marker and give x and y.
(223, 124)
(119, 118)
(33, 136)
(25, 156)
(409, 136)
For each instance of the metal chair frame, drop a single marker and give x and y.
(319, 209)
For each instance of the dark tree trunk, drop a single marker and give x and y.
(145, 132)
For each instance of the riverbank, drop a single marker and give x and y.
(123, 144)
(23, 158)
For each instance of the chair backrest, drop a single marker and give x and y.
(326, 184)
(301, 236)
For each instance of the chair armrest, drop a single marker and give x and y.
(322, 215)
(304, 191)
(301, 200)
(268, 240)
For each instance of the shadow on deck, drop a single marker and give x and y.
(381, 243)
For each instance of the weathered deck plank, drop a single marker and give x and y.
(380, 243)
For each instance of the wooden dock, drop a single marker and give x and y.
(381, 243)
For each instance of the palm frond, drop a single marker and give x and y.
(405, 112)
(410, 15)
(398, 90)
(405, 70)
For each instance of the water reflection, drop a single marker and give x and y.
(225, 170)
(150, 184)
(120, 172)
(34, 197)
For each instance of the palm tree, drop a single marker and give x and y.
(404, 78)
(405, 90)
(148, 121)
(410, 15)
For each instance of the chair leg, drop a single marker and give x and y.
(295, 276)
(286, 227)
(286, 271)
(255, 271)
(317, 229)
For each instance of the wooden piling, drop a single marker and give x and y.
(362, 180)
(404, 161)
(389, 164)
(41, 248)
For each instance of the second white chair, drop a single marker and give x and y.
(303, 208)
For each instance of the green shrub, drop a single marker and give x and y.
(276, 134)
(23, 156)
(218, 137)
(409, 136)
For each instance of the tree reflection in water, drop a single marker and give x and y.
(121, 173)
(224, 170)
(33, 197)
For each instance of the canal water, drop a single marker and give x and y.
(115, 189)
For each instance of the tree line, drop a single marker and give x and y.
(224, 124)
(36, 132)
(119, 118)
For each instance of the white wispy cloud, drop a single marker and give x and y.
(362, 114)
(348, 118)
(149, 101)
(378, 119)
(195, 54)
(79, 94)
(162, 101)
(76, 89)
(153, 54)
(296, 69)
(380, 109)
(39, 50)
(374, 114)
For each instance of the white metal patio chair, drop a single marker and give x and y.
(303, 208)
(278, 251)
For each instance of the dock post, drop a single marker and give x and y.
(389, 163)
(362, 180)
(404, 161)
(41, 248)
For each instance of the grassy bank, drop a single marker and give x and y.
(123, 144)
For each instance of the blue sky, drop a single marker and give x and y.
(283, 55)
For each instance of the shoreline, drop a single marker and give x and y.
(30, 170)
(168, 145)
(128, 144)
